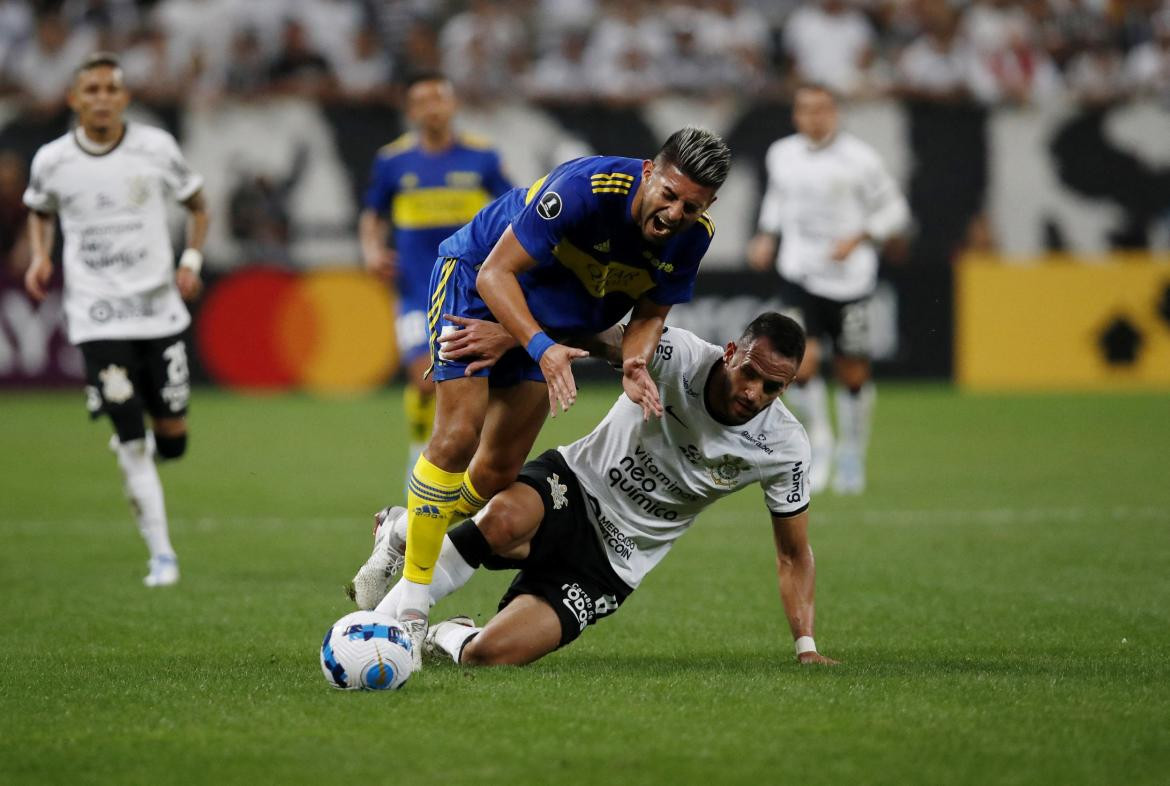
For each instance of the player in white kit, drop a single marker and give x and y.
(109, 181)
(830, 203)
(586, 522)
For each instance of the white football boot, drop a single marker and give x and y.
(430, 647)
(164, 571)
(372, 581)
(849, 473)
(415, 623)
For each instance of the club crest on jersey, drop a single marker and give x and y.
(138, 190)
(549, 206)
(116, 385)
(727, 472)
(557, 490)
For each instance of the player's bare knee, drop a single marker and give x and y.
(504, 525)
(488, 650)
(453, 445)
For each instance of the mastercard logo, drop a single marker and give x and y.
(327, 331)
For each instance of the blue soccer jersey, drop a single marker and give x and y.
(593, 263)
(427, 196)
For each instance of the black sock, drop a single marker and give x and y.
(470, 543)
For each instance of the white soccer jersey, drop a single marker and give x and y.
(817, 196)
(648, 480)
(118, 259)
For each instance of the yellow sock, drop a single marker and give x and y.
(430, 504)
(420, 414)
(470, 502)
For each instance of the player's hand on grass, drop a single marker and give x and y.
(383, 263)
(640, 387)
(817, 658)
(36, 278)
(190, 285)
(555, 365)
(478, 338)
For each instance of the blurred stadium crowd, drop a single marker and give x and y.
(990, 51)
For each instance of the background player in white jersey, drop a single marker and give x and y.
(830, 203)
(108, 180)
(585, 523)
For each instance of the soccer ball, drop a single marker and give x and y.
(366, 650)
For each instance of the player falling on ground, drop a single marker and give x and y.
(573, 253)
(432, 181)
(109, 180)
(585, 523)
(830, 202)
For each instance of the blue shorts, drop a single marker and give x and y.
(453, 292)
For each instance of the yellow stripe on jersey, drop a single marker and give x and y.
(612, 183)
(440, 293)
(430, 208)
(399, 145)
(600, 278)
(611, 190)
(534, 189)
(612, 176)
(708, 224)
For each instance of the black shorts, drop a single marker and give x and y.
(129, 377)
(846, 323)
(566, 564)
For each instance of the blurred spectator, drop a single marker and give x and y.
(364, 69)
(245, 73)
(14, 254)
(420, 50)
(561, 77)
(626, 52)
(1009, 65)
(154, 71)
(688, 67)
(1095, 74)
(936, 66)
(482, 47)
(43, 67)
(555, 18)
(743, 37)
(1147, 67)
(831, 44)
(114, 21)
(299, 69)
(16, 26)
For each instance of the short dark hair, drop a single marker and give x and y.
(817, 87)
(97, 60)
(418, 77)
(699, 154)
(784, 333)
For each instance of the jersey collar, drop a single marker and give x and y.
(87, 147)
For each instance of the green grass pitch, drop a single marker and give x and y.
(999, 600)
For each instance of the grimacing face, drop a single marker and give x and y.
(99, 98)
(671, 202)
(430, 105)
(814, 113)
(756, 375)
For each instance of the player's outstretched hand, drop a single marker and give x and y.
(640, 387)
(190, 285)
(555, 365)
(478, 338)
(816, 657)
(36, 278)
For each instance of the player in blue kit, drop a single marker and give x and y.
(429, 183)
(594, 239)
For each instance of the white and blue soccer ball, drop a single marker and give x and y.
(366, 650)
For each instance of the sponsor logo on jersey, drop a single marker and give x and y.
(670, 411)
(797, 481)
(549, 206)
(758, 440)
(116, 385)
(617, 541)
(658, 264)
(603, 246)
(726, 473)
(687, 388)
(557, 491)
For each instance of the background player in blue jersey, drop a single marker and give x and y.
(428, 183)
(587, 243)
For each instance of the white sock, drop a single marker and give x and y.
(144, 490)
(811, 401)
(451, 573)
(854, 415)
(452, 638)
